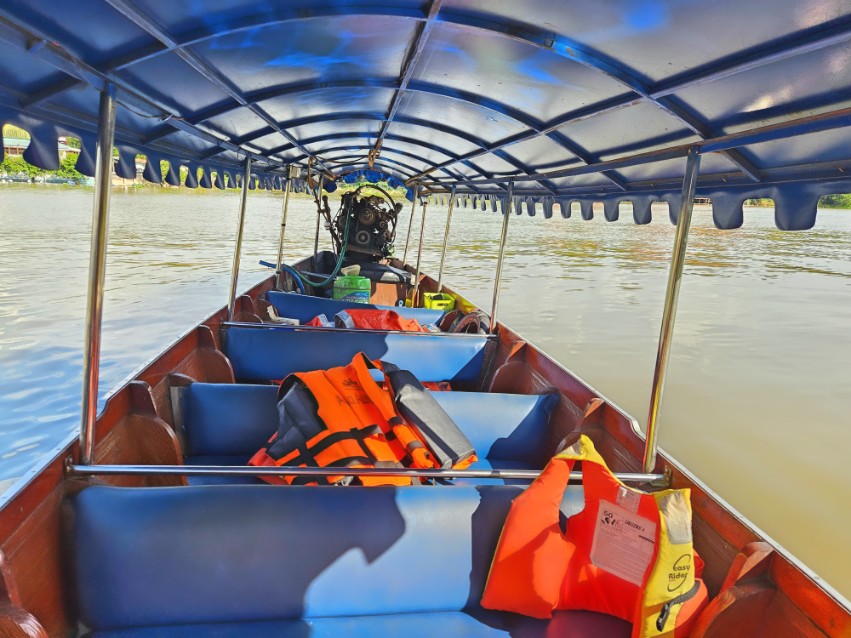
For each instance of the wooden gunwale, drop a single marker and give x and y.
(31, 562)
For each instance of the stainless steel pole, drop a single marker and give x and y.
(670, 310)
(318, 219)
(278, 274)
(506, 213)
(419, 256)
(411, 223)
(244, 470)
(97, 275)
(445, 240)
(243, 202)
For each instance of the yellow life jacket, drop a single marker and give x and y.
(628, 553)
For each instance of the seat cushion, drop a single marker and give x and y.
(260, 353)
(503, 426)
(237, 419)
(565, 624)
(228, 418)
(235, 553)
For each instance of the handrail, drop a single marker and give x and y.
(445, 239)
(669, 312)
(497, 283)
(240, 226)
(419, 255)
(244, 470)
(285, 205)
(97, 274)
(411, 223)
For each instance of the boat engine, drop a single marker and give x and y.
(366, 225)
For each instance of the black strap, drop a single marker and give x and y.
(307, 454)
(666, 608)
(325, 480)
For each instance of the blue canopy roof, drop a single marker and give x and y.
(573, 101)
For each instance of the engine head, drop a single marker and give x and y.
(366, 225)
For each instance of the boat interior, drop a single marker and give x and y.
(217, 554)
(151, 522)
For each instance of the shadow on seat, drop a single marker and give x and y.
(246, 560)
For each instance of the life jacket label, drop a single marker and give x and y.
(623, 542)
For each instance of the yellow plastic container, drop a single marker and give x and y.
(439, 301)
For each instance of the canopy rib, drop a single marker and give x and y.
(408, 68)
(41, 46)
(145, 23)
(423, 87)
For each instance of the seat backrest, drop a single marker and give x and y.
(168, 556)
(305, 307)
(227, 419)
(237, 419)
(259, 353)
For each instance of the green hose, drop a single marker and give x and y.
(339, 265)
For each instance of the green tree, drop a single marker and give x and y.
(68, 168)
(16, 165)
(838, 200)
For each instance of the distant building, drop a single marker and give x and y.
(15, 146)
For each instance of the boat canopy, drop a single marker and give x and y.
(580, 101)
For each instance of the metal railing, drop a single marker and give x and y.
(239, 470)
(669, 312)
(97, 275)
(243, 203)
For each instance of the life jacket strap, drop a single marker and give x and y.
(679, 600)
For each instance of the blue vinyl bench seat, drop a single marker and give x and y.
(258, 560)
(225, 424)
(262, 352)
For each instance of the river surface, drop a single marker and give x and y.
(759, 386)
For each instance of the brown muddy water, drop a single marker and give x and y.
(758, 400)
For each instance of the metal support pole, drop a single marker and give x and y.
(245, 470)
(318, 220)
(243, 202)
(445, 239)
(506, 213)
(278, 272)
(97, 275)
(419, 256)
(410, 223)
(669, 313)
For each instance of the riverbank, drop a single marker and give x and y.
(839, 200)
(147, 188)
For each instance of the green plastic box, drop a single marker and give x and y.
(352, 288)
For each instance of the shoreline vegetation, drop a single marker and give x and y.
(15, 169)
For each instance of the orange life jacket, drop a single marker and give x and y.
(369, 319)
(628, 553)
(361, 428)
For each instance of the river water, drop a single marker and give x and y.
(758, 396)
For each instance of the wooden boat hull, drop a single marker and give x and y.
(758, 589)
